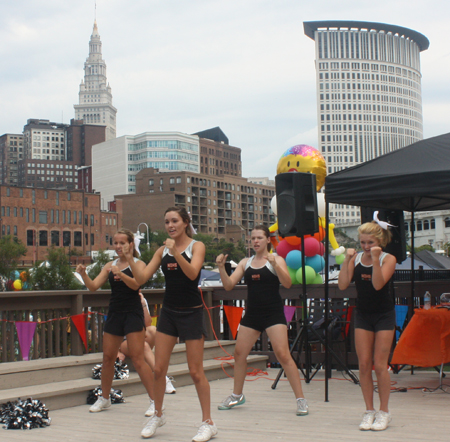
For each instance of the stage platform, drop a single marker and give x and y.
(268, 415)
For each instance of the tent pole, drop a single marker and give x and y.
(327, 270)
(411, 301)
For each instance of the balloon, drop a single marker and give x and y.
(321, 249)
(311, 247)
(26, 286)
(321, 204)
(284, 248)
(17, 284)
(292, 274)
(15, 275)
(320, 235)
(305, 159)
(310, 275)
(340, 259)
(316, 262)
(273, 204)
(293, 240)
(294, 259)
(318, 279)
(23, 275)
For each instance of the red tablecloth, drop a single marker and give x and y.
(426, 340)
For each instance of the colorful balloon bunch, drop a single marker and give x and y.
(18, 280)
(291, 249)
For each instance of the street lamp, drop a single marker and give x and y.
(139, 236)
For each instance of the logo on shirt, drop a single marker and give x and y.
(366, 277)
(256, 277)
(172, 266)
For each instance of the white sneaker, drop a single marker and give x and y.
(381, 422)
(367, 420)
(152, 424)
(151, 410)
(170, 389)
(100, 404)
(205, 432)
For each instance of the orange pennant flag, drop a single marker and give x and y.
(234, 316)
(80, 324)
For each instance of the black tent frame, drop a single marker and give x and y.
(414, 178)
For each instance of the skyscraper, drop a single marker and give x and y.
(95, 98)
(369, 99)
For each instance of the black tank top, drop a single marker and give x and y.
(181, 292)
(263, 287)
(370, 300)
(123, 298)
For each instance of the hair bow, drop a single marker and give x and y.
(383, 224)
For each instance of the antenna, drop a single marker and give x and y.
(95, 12)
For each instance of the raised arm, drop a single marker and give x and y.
(98, 281)
(280, 266)
(381, 274)
(142, 275)
(229, 281)
(347, 269)
(128, 280)
(190, 269)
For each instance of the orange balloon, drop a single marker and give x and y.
(320, 235)
(293, 240)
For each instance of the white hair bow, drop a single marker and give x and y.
(193, 231)
(137, 241)
(383, 224)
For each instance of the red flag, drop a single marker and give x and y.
(25, 332)
(80, 324)
(234, 316)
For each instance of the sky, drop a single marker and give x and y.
(190, 65)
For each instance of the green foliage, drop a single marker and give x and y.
(102, 259)
(11, 250)
(215, 247)
(55, 273)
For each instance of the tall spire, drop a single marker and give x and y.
(95, 98)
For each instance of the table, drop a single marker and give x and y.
(425, 342)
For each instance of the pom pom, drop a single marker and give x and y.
(121, 370)
(24, 415)
(115, 395)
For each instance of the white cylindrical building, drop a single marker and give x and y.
(369, 98)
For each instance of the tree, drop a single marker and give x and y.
(96, 268)
(55, 273)
(11, 249)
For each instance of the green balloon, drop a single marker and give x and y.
(340, 259)
(318, 279)
(310, 275)
(293, 273)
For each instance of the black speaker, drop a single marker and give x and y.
(296, 204)
(397, 246)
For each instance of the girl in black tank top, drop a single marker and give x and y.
(264, 310)
(125, 315)
(181, 260)
(375, 317)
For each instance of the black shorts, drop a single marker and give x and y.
(375, 322)
(261, 320)
(122, 323)
(186, 324)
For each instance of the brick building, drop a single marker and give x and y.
(223, 206)
(41, 218)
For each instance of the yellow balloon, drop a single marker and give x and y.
(305, 159)
(17, 284)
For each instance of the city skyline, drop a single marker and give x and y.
(188, 66)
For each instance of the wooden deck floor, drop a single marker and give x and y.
(268, 415)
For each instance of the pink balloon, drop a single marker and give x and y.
(284, 248)
(311, 247)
